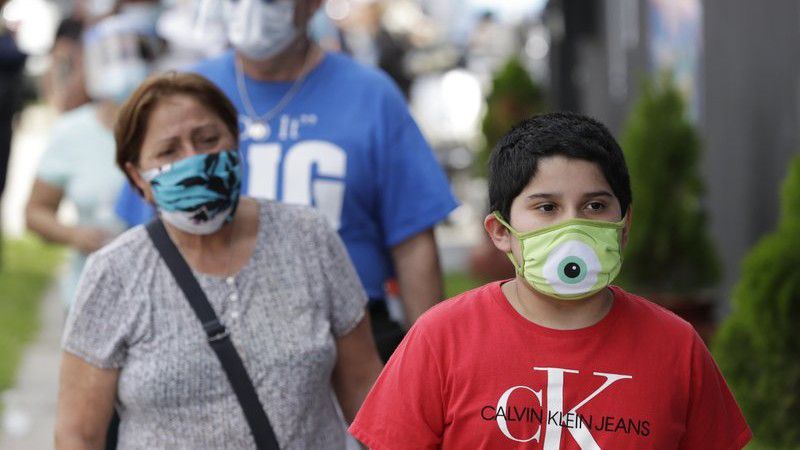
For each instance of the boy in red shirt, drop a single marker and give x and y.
(555, 358)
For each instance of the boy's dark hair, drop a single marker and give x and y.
(515, 158)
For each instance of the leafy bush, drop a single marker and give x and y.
(669, 248)
(790, 199)
(456, 283)
(514, 97)
(757, 347)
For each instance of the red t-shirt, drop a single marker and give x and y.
(473, 373)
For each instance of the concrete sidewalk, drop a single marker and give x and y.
(29, 407)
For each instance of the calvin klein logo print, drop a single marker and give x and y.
(554, 419)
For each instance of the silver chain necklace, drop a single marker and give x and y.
(257, 127)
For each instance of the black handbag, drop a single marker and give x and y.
(218, 338)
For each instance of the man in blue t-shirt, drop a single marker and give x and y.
(319, 129)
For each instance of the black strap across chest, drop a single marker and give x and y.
(218, 337)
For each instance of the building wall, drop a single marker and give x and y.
(599, 59)
(749, 118)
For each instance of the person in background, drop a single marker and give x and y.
(64, 84)
(319, 129)
(276, 275)
(78, 163)
(12, 64)
(190, 40)
(490, 46)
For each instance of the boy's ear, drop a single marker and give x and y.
(498, 233)
(627, 228)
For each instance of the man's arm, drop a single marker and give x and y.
(416, 261)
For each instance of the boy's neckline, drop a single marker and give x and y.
(591, 325)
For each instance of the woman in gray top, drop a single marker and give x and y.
(277, 276)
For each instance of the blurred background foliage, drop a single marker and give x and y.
(757, 347)
(670, 249)
(514, 96)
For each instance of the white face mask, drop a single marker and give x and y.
(113, 68)
(260, 29)
(184, 222)
(113, 59)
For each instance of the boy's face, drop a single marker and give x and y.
(563, 188)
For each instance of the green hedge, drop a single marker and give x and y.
(514, 96)
(669, 248)
(758, 346)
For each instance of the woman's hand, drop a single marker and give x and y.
(41, 218)
(357, 367)
(85, 403)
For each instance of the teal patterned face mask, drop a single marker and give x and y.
(197, 194)
(571, 260)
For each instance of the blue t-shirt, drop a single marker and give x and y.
(345, 144)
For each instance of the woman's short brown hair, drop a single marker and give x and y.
(134, 115)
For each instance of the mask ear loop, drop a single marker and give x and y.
(520, 268)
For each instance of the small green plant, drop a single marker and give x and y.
(514, 97)
(758, 347)
(456, 283)
(669, 248)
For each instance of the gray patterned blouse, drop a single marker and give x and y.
(284, 309)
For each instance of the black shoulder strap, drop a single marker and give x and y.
(218, 337)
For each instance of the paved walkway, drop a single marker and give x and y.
(29, 408)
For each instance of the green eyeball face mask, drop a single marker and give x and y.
(571, 260)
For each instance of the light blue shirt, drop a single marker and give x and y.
(80, 160)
